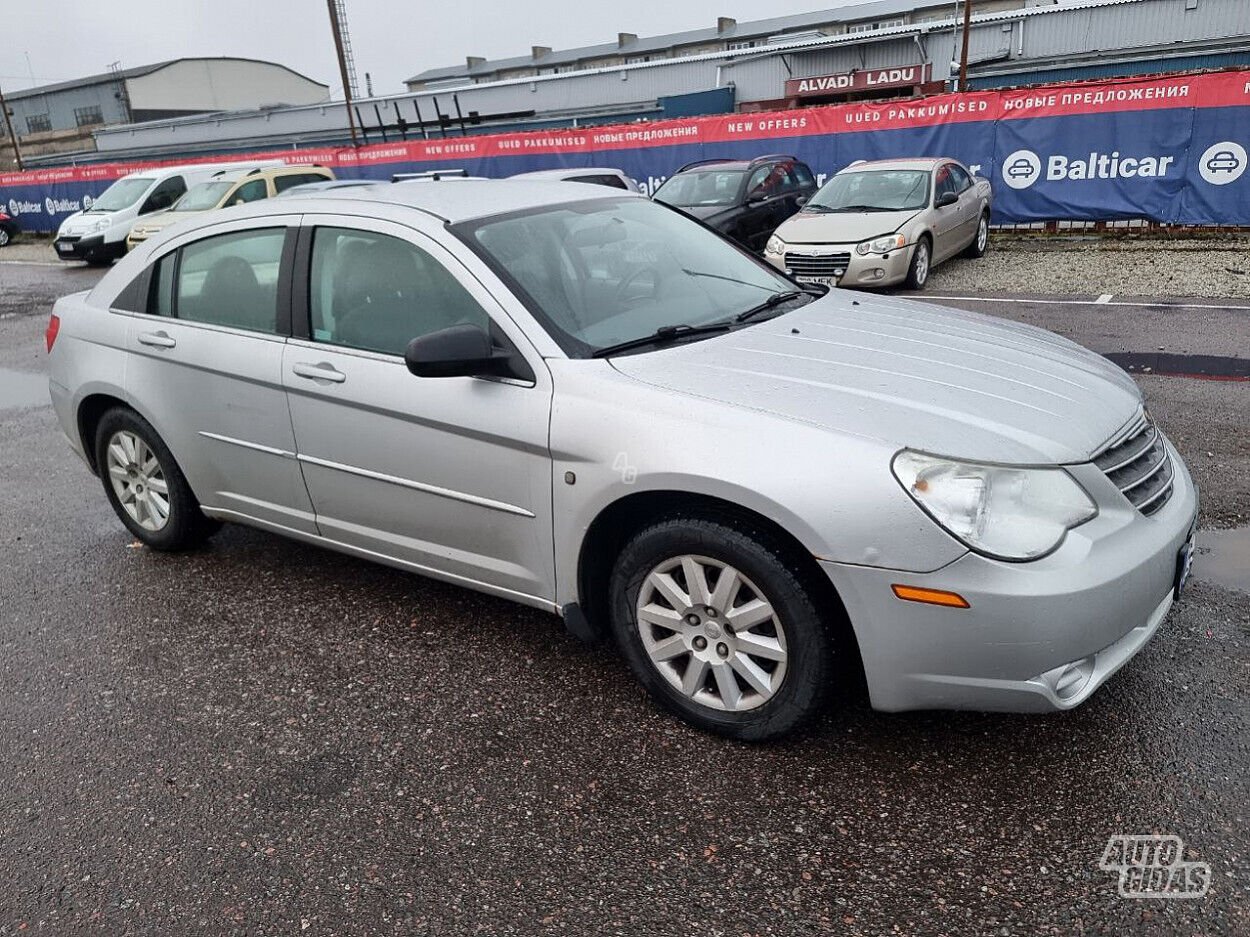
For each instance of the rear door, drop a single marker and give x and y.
(969, 206)
(205, 367)
(451, 476)
(946, 219)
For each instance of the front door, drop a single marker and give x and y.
(205, 367)
(451, 476)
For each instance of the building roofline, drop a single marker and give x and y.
(753, 29)
(139, 71)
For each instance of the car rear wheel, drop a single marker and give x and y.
(4, 236)
(145, 486)
(718, 628)
(918, 271)
(981, 243)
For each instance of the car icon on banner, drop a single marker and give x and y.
(1223, 161)
(1021, 168)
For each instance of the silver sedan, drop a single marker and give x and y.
(588, 403)
(884, 223)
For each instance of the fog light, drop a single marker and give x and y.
(876, 273)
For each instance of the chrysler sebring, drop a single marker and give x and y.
(587, 402)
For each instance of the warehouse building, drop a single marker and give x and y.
(882, 49)
(176, 88)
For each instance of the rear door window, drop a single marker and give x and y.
(230, 279)
(282, 183)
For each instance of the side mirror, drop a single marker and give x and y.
(456, 351)
(802, 200)
(946, 198)
(755, 197)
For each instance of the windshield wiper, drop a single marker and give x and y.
(721, 276)
(818, 209)
(661, 336)
(864, 208)
(773, 301)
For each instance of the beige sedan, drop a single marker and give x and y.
(883, 223)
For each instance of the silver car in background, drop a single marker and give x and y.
(586, 402)
(884, 223)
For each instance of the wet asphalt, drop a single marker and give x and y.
(267, 738)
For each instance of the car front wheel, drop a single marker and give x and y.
(918, 270)
(144, 484)
(716, 625)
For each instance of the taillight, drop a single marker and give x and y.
(54, 326)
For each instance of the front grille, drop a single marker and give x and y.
(1139, 465)
(817, 265)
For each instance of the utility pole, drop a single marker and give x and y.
(8, 123)
(348, 79)
(963, 56)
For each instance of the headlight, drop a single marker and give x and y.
(775, 245)
(881, 245)
(1004, 512)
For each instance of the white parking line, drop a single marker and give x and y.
(32, 263)
(1103, 299)
(1075, 302)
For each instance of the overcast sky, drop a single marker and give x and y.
(392, 39)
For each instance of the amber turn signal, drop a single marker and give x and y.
(930, 596)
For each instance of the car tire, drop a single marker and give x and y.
(95, 260)
(921, 263)
(757, 682)
(4, 237)
(981, 241)
(145, 485)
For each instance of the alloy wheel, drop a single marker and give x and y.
(983, 234)
(922, 263)
(711, 633)
(138, 480)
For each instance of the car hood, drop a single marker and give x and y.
(164, 219)
(706, 212)
(840, 228)
(910, 374)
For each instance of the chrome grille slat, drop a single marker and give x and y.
(817, 265)
(1137, 462)
(1150, 473)
(1147, 443)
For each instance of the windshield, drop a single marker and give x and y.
(121, 194)
(202, 197)
(873, 190)
(701, 187)
(599, 273)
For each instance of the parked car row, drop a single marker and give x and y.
(101, 232)
(873, 224)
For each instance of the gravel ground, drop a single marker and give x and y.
(1215, 266)
(265, 738)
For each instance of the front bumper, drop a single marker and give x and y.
(87, 248)
(861, 270)
(1038, 636)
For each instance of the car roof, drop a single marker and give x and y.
(566, 172)
(919, 162)
(464, 199)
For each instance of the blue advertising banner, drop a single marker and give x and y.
(1172, 150)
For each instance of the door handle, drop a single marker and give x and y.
(318, 372)
(157, 339)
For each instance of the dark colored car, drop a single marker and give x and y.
(742, 199)
(8, 228)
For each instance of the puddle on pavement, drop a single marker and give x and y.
(1203, 367)
(22, 389)
(1223, 558)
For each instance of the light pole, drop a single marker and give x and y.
(8, 122)
(963, 55)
